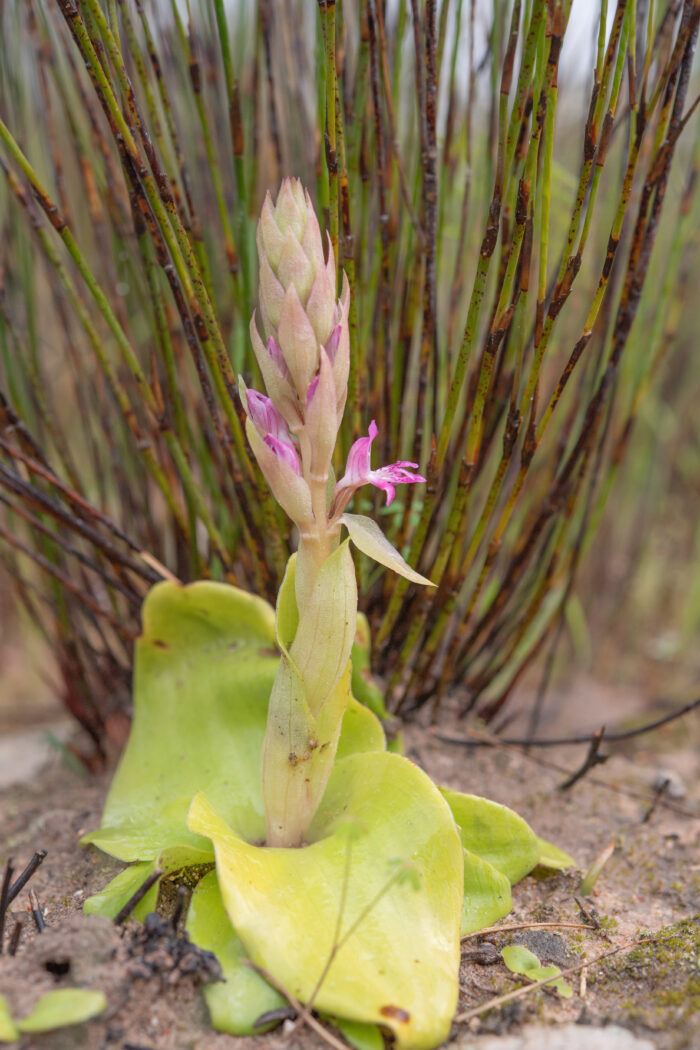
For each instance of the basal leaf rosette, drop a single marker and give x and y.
(205, 668)
(205, 665)
(377, 891)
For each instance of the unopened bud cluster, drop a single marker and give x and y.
(304, 358)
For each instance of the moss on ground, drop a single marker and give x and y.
(664, 975)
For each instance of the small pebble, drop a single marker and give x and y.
(485, 954)
(556, 1037)
(672, 783)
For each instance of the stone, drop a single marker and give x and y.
(555, 1037)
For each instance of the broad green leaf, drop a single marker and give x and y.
(520, 959)
(369, 538)
(362, 731)
(63, 1007)
(205, 666)
(361, 1036)
(397, 744)
(8, 1030)
(236, 1002)
(487, 895)
(398, 959)
(495, 833)
(553, 857)
(110, 901)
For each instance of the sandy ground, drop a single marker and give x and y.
(651, 885)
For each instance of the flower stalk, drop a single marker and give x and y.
(303, 352)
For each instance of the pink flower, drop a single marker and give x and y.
(273, 428)
(284, 450)
(358, 472)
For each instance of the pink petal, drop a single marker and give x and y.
(357, 469)
(285, 451)
(358, 472)
(265, 415)
(333, 343)
(311, 391)
(275, 352)
(395, 474)
(387, 487)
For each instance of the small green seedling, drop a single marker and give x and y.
(58, 1009)
(521, 960)
(592, 875)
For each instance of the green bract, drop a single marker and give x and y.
(393, 872)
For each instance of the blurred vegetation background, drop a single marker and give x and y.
(512, 191)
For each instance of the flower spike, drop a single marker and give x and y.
(303, 352)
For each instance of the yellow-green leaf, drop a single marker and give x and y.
(495, 833)
(397, 963)
(236, 1002)
(361, 1036)
(204, 668)
(553, 857)
(487, 896)
(8, 1029)
(110, 901)
(63, 1007)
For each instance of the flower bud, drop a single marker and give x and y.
(281, 469)
(298, 305)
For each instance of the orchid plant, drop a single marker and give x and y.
(304, 361)
(341, 871)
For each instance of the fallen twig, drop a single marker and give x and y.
(509, 927)
(136, 897)
(475, 738)
(480, 738)
(37, 913)
(15, 936)
(302, 1012)
(593, 758)
(22, 880)
(4, 895)
(590, 914)
(658, 795)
